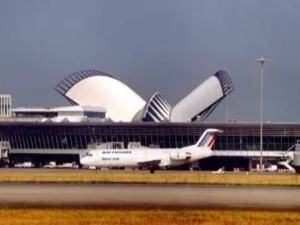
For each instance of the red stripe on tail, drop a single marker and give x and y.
(212, 141)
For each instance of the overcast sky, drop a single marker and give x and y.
(169, 46)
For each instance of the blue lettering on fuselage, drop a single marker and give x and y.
(104, 158)
(108, 158)
(116, 152)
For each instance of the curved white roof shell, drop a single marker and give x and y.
(203, 99)
(96, 88)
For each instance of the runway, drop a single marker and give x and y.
(148, 196)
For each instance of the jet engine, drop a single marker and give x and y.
(180, 155)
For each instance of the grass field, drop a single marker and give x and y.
(83, 176)
(141, 217)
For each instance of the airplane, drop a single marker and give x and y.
(153, 158)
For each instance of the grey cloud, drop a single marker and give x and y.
(168, 46)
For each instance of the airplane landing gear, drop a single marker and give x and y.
(151, 170)
(97, 169)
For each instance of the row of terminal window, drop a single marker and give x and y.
(94, 114)
(116, 152)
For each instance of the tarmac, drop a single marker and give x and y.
(130, 171)
(126, 196)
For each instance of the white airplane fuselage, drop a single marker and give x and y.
(154, 157)
(133, 157)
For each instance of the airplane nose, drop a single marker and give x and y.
(83, 161)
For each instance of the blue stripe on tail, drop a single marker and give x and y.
(205, 140)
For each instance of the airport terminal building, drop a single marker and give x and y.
(106, 113)
(234, 148)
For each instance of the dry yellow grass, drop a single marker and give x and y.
(83, 176)
(140, 217)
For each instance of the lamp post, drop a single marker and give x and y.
(227, 117)
(262, 61)
(227, 106)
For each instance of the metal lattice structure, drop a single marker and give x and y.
(226, 82)
(157, 109)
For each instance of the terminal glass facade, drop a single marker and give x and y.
(24, 135)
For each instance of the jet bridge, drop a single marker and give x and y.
(283, 158)
(4, 151)
(296, 162)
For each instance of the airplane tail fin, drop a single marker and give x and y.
(208, 138)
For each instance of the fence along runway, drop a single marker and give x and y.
(148, 196)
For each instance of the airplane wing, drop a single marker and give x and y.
(150, 163)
